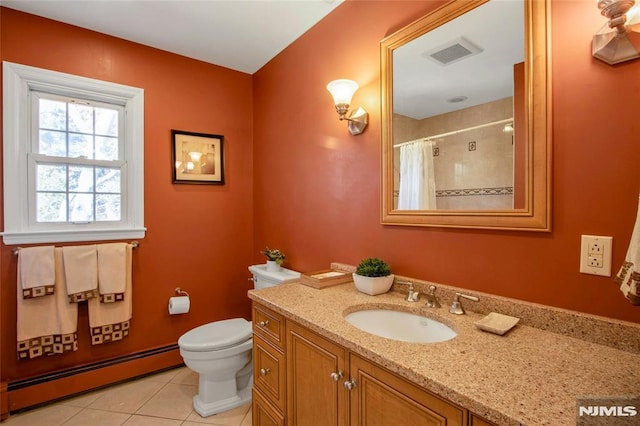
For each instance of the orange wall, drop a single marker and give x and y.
(199, 237)
(317, 189)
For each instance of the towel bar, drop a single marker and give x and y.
(16, 250)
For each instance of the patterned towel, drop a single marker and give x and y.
(629, 275)
(81, 272)
(110, 321)
(36, 271)
(112, 272)
(47, 325)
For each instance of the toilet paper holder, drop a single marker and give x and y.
(181, 292)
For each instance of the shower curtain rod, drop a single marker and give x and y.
(16, 250)
(441, 135)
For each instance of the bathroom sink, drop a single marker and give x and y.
(403, 326)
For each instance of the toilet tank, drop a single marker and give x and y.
(263, 278)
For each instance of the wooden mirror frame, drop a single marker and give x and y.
(536, 214)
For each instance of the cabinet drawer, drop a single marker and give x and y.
(268, 324)
(269, 372)
(263, 413)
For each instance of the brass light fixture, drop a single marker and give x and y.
(619, 40)
(342, 91)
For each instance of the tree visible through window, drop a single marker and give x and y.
(77, 158)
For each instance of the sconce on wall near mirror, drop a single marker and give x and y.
(619, 40)
(342, 91)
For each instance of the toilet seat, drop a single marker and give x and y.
(216, 335)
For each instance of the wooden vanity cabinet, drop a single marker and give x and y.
(302, 378)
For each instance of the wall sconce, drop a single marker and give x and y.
(342, 91)
(618, 41)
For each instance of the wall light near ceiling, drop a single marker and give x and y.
(618, 41)
(342, 91)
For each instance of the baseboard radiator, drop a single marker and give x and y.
(46, 388)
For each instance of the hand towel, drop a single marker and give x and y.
(36, 268)
(112, 272)
(109, 322)
(629, 275)
(47, 325)
(81, 272)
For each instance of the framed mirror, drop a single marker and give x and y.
(466, 118)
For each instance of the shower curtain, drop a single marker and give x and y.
(417, 180)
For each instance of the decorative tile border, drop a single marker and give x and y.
(503, 190)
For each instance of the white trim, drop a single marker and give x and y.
(18, 81)
(72, 236)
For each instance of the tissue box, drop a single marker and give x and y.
(325, 278)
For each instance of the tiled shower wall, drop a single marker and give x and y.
(473, 169)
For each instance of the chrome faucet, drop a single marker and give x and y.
(432, 300)
(456, 306)
(412, 296)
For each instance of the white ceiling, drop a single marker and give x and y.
(239, 34)
(422, 87)
(246, 34)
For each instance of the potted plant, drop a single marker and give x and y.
(373, 276)
(274, 259)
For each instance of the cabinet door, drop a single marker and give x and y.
(315, 376)
(382, 398)
(478, 421)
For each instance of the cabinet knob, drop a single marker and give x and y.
(350, 384)
(336, 376)
(264, 323)
(264, 371)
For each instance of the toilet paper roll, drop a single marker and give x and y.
(179, 305)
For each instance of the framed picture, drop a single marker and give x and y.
(197, 158)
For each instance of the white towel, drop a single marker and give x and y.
(47, 325)
(629, 275)
(109, 322)
(81, 272)
(112, 272)
(36, 271)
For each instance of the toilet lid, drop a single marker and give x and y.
(216, 335)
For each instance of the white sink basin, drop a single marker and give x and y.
(402, 326)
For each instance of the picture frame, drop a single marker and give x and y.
(197, 158)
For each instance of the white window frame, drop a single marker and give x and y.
(18, 81)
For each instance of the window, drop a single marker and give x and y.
(73, 158)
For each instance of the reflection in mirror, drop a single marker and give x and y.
(462, 141)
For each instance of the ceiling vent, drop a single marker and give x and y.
(453, 51)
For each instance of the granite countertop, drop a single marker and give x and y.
(528, 376)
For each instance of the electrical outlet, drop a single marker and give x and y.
(594, 261)
(595, 255)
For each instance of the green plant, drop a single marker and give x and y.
(373, 267)
(274, 254)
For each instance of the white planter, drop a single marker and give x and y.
(272, 266)
(373, 285)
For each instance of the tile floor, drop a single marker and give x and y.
(162, 399)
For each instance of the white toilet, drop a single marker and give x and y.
(221, 353)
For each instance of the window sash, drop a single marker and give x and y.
(19, 81)
(36, 159)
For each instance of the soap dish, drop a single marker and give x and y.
(497, 323)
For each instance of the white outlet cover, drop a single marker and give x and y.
(607, 245)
